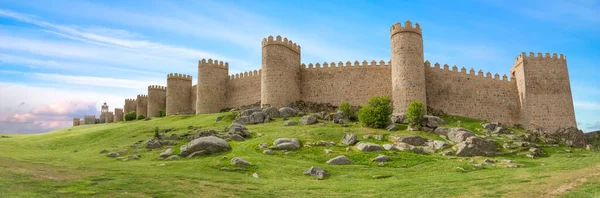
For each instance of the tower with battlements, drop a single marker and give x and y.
(130, 106)
(280, 76)
(408, 72)
(179, 90)
(103, 111)
(141, 105)
(118, 115)
(212, 86)
(157, 100)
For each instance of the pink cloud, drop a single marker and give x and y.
(47, 117)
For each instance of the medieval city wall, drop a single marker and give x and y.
(130, 105)
(179, 89)
(243, 89)
(194, 98)
(118, 115)
(355, 83)
(212, 84)
(76, 121)
(157, 100)
(480, 96)
(142, 105)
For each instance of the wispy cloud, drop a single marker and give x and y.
(587, 105)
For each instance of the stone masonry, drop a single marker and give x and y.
(157, 100)
(141, 105)
(536, 94)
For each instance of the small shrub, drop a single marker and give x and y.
(161, 113)
(130, 116)
(156, 132)
(140, 117)
(377, 112)
(414, 113)
(348, 110)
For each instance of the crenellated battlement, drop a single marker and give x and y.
(213, 63)
(539, 56)
(463, 70)
(397, 28)
(142, 96)
(179, 76)
(279, 41)
(348, 64)
(130, 100)
(157, 87)
(242, 75)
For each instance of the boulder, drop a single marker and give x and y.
(339, 160)
(328, 117)
(287, 144)
(218, 118)
(398, 118)
(391, 127)
(536, 152)
(272, 112)
(285, 112)
(263, 145)
(166, 153)
(381, 158)
(255, 175)
(349, 139)
(153, 144)
(254, 118)
(133, 157)
(378, 137)
(209, 145)
(389, 147)
(289, 123)
(475, 146)
(413, 140)
(455, 134)
(174, 137)
(308, 120)
(113, 154)
(316, 172)
(103, 151)
(488, 126)
(418, 150)
(401, 146)
(323, 143)
(240, 161)
(340, 118)
(236, 137)
(268, 152)
(320, 115)
(239, 129)
(432, 121)
(249, 112)
(447, 153)
(368, 147)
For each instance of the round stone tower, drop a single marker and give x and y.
(280, 74)
(157, 100)
(130, 106)
(179, 90)
(408, 70)
(103, 112)
(141, 105)
(211, 88)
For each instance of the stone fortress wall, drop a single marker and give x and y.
(130, 105)
(536, 94)
(141, 105)
(118, 115)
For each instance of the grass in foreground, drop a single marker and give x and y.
(67, 163)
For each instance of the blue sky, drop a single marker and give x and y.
(60, 59)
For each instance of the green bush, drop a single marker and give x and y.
(348, 110)
(414, 113)
(140, 117)
(377, 112)
(161, 113)
(129, 116)
(156, 132)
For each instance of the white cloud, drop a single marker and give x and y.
(587, 105)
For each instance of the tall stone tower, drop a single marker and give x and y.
(157, 100)
(118, 115)
(179, 89)
(211, 88)
(103, 113)
(544, 92)
(76, 121)
(408, 70)
(141, 105)
(130, 105)
(193, 98)
(280, 77)
(109, 117)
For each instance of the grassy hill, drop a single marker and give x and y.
(68, 163)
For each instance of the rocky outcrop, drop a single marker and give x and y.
(455, 134)
(166, 153)
(272, 112)
(240, 161)
(285, 112)
(286, 144)
(289, 123)
(339, 160)
(569, 136)
(316, 172)
(349, 139)
(368, 147)
(254, 118)
(238, 129)
(209, 145)
(308, 120)
(413, 140)
(475, 146)
(398, 118)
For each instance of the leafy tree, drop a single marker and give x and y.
(414, 113)
(377, 112)
(129, 116)
(140, 117)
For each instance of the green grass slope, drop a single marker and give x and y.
(68, 163)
